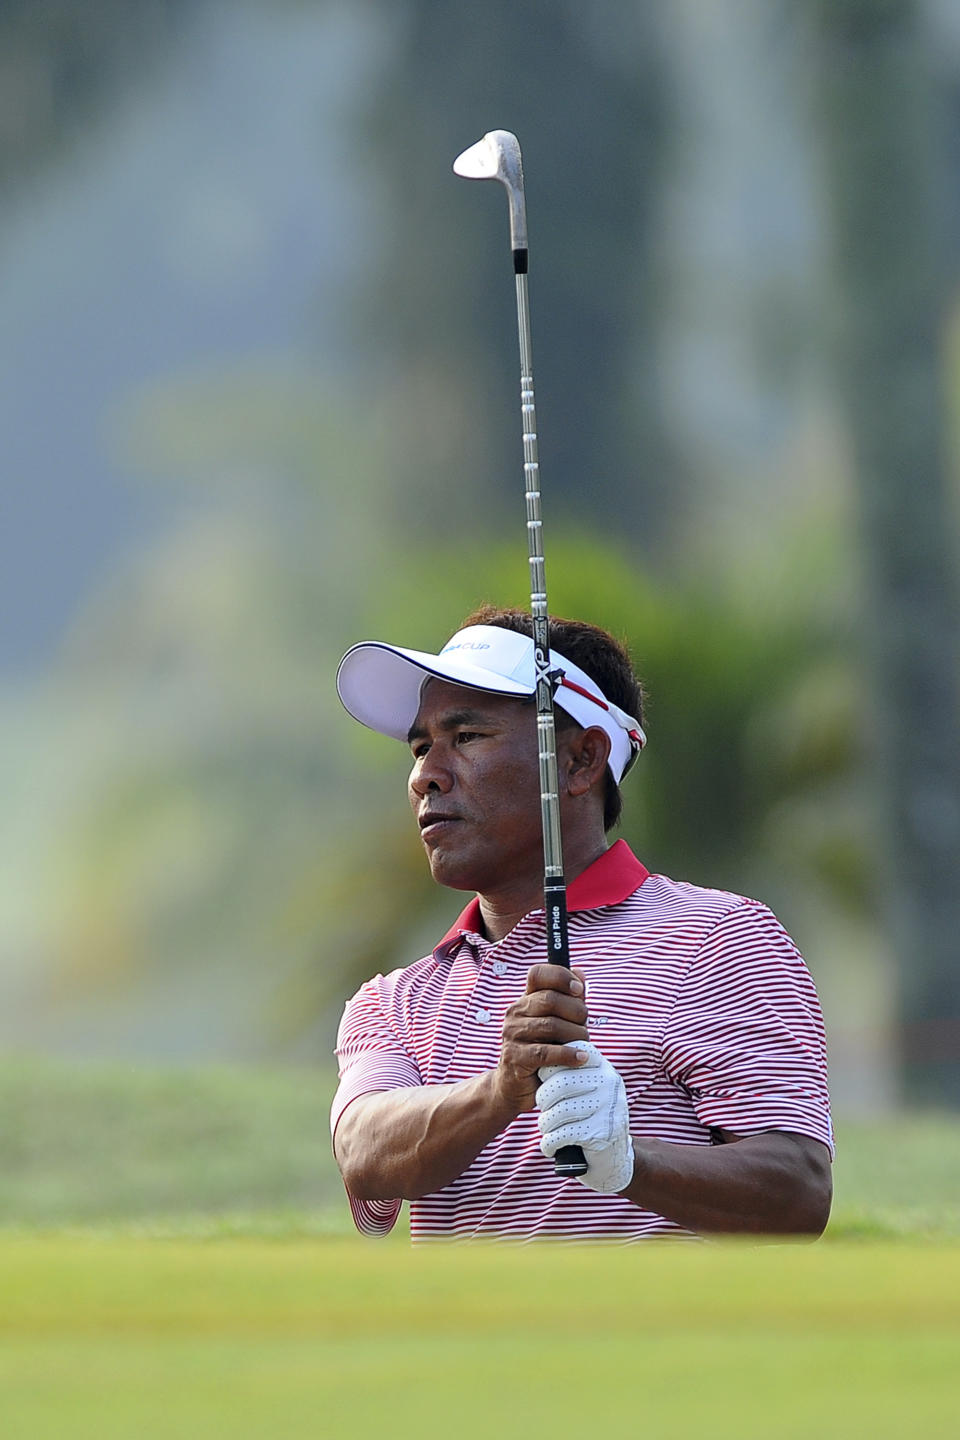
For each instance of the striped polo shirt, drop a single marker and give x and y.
(699, 998)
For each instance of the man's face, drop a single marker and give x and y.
(475, 789)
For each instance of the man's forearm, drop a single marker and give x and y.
(401, 1144)
(770, 1184)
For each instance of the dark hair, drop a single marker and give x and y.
(597, 653)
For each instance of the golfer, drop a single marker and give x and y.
(684, 1052)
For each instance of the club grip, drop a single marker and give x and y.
(570, 1159)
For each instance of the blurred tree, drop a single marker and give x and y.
(60, 61)
(883, 146)
(180, 753)
(219, 820)
(214, 820)
(751, 720)
(583, 88)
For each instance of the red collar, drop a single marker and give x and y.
(609, 880)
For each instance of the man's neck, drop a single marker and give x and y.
(503, 909)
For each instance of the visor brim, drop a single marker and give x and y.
(380, 684)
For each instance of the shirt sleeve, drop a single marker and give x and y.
(371, 1057)
(746, 1037)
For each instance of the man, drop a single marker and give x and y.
(684, 1052)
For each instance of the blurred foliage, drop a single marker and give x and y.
(206, 854)
(749, 700)
(61, 63)
(885, 166)
(242, 826)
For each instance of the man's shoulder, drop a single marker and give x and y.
(666, 921)
(720, 926)
(680, 901)
(404, 981)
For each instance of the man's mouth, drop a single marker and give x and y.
(433, 823)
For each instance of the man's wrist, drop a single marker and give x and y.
(504, 1103)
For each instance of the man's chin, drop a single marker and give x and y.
(453, 871)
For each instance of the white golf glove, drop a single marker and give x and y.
(587, 1106)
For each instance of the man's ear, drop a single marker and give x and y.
(587, 753)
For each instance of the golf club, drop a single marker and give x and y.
(497, 157)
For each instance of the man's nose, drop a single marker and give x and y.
(431, 772)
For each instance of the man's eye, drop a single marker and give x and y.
(463, 735)
(419, 750)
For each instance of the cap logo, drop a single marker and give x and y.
(466, 645)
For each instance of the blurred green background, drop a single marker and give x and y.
(259, 401)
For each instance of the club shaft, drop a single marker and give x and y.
(497, 156)
(554, 889)
(568, 1161)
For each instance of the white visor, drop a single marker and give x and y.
(380, 685)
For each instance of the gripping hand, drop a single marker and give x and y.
(588, 1107)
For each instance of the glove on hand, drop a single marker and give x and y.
(588, 1107)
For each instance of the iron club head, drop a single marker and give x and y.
(497, 157)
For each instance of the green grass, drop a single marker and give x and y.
(312, 1338)
(99, 1143)
(897, 1178)
(117, 1321)
(218, 1152)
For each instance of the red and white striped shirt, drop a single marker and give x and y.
(699, 998)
